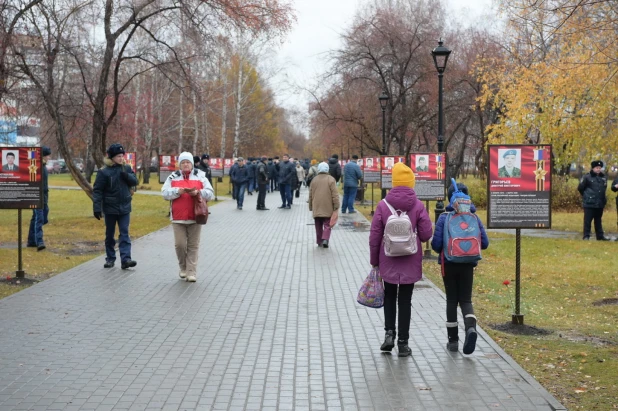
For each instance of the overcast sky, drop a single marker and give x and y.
(316, 31)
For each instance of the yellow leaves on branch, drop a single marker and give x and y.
(568, 98)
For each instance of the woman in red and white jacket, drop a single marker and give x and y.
(180, 188)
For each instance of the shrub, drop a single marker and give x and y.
(477, 189)
(565, 196)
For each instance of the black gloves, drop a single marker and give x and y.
(97, 215)
(124, 176)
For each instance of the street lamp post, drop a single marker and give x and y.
(440, 57)
(383, 102)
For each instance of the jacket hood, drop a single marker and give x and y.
(332, 160)
(401, 198)
(472, 208)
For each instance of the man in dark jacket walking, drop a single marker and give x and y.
(240, 178)
(262, 179)
(251, 169)
(592, 188)
(272, 175)
(286, 170)
(205, 167)
(352, 175)
(334, 168)
(111, 199)
(39, 215)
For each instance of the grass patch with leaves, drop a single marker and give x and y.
(563, 286)
(73, 236)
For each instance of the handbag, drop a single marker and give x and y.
(333, 218)
(200, 208)
(371, 293)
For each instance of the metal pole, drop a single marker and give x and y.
(383, 142)
(440, 204)
(20, 272)
(517, 317)
(371, 199)
(427, 252)
(216, 181)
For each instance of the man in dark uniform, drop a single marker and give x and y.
(592, 188)
(262, 178)
(204, 165)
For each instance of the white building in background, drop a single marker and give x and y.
(16, 129)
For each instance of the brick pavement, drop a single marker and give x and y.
(272, 323)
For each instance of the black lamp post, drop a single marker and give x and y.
(383, 102)
(440, 57)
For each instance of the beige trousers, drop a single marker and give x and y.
(187, 243)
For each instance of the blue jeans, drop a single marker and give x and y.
(124, 242)
(39, 218)
(239, 189)
(349, 195)
(251, 186)
(286, 194)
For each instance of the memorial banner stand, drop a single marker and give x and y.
(20, 272)
(519, 196)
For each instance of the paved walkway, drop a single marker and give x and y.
(272, 323)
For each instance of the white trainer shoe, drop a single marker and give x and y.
(191, 279)
(182, 274)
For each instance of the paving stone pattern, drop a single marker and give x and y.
(272, 323)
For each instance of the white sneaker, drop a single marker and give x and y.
(191, 279)
(182, 274)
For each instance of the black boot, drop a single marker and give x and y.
(404, 350)
(470, 342)
(389, 341)
(453, 337)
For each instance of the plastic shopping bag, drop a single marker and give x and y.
(371, 293)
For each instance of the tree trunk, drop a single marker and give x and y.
(238, 101)
(195, 122)
(181, 124)
(224, 117)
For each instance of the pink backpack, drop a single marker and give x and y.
(399, 238)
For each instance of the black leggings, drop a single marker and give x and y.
(458, 279)
(392, 301)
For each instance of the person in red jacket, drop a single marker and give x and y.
(180, 188)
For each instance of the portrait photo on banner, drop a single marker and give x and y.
(10, 160)
(509, 163)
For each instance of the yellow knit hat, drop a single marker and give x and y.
(314, 162)
(403, 176)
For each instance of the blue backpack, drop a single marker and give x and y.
(462, 233)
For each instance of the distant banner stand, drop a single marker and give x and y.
(430, 172)
(167, 165)
(216, 169)
(21, 187)
(519, 196)
(387, 163)
(371, 173)
(131, 159)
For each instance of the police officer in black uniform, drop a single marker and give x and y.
(592, 188)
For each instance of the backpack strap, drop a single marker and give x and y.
(390, 207)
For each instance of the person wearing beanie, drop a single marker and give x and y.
(111, 199)
(40, 215)
(352, 177)
(334, 168)
(203, 165)
(592, 188)
(458, 281)
(324, 204)
(180, 189)
(262, 182)
(399, 273)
